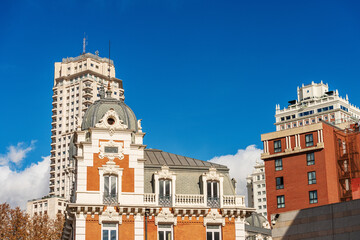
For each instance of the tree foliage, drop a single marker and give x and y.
(15, 224)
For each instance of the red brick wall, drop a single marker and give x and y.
(190, 229)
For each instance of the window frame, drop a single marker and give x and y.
(281, 203)
(277, 146)
(164, 229)
(212, 230)
(309, 142)
(110, 229)
(311, 177)
(280, 183)
(313, 197)
(277, 166)
(310, 160)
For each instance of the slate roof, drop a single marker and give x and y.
(156, 157)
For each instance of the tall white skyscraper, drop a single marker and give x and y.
(256, 188)
(76, 84)
(316, 103)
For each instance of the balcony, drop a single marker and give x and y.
(87, 93)
(110, 199)
(87, 86)
(195, 200)
(165, 200)
(213, 202)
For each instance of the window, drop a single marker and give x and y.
(281, 201)
(213, 232)
(313, 196)
(165, 232)
(309, 140)
(111, 149)
(279, 182)
(110, 189)
(278, 164)
(213, 194)
(277, 146)
(311, 177)
(109, 231)
(165, 192)
(310, 159)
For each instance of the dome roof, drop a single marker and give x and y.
(257, 220)
(98, 109)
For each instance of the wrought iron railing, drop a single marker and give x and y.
(213, 202)
(110, 199)
(165, 200)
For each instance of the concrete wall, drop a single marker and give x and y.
(340, 221)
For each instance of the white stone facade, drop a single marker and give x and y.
(256, 188)
(50, 206)
(316, 103)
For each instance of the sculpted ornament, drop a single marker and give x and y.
(110, 215)
(116, 147)
(165, 173)
(165, 216)
(112, 122)
(214, 217)
(212, 175)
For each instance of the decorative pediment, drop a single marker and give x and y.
(110, 169)
(111, 150)
(111, 121)
(110, 215)
(212, 175)
(165, 216)
(214, 217)
(165, 173)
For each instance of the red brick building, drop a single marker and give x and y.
(311, 166)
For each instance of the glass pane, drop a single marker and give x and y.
(216, 236)
(168, 235)
(161, 186)
(209, 236)
(106, 185)
(213, 227)
(215, 191)
(209, 189)
(161, 235)
(105, 235)
(167, 187)
(111, 149)
(113, 235)
(113, 185)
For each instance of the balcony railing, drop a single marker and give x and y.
(189, 199)
(165, 200)
(110, 199)
(213, 202)
(196, 200)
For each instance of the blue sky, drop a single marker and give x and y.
(203, 75)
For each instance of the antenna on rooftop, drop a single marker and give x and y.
(84, 44)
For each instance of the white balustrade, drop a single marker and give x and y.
(149, 198)
(233, 200)
(189, 199)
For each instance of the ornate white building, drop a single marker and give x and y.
(256, 188)
(316, 103)
(124, 191)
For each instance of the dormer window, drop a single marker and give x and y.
(165, 192)
(213, 199)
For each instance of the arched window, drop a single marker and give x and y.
(165, 192)
(110, 189)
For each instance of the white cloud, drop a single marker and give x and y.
(16, 187)
(16, 153)
(240, 164)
